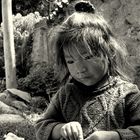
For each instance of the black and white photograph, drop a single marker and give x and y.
(70, 70)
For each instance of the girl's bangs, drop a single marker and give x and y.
(92, 40)
(77, 44)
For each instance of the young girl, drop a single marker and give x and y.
(99, 102)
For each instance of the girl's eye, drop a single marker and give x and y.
(88, 57)
(70, 61)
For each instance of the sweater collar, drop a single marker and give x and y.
(102, 85)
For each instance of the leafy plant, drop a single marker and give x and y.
(23, 37)
(41, 81)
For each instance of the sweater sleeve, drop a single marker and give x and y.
(132, 117)
(51, 118)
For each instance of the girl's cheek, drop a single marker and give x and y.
(72, 69)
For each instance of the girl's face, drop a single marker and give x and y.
(84, 67)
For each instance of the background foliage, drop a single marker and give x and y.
(41, 81)
(23, 38)
(25, 15)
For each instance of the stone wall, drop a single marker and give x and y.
(123, 15)
(41, 52)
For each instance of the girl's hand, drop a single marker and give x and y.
(104, 135)
(72, 131)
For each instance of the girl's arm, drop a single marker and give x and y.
(56, 132)
(53, 125)
(52, 117)
(104, 135)
(132, 116)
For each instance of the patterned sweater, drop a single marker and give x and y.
(115, 106)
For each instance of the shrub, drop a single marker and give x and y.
(40, 82)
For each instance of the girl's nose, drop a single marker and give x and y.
(81, 71)
(81, 67)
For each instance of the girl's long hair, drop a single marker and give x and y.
(93, 32)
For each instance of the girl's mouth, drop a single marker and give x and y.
(84, 77)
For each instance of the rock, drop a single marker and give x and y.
(5, 109)
(19, 105)
(9, 104)
(11, 136)
(18, 125)
(3, 96)
(21, 94)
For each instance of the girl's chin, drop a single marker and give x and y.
(88, 82)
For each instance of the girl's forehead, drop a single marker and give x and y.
(74, 50)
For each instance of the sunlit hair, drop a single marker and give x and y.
(92, 32)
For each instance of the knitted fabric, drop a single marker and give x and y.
(105, 108)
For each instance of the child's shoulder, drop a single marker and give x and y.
(67, 89)
(126, 87)
(66, 94)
